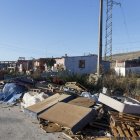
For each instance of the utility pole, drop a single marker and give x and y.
(99, 63)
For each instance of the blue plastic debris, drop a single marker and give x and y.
(11, 92)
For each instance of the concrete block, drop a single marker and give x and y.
(129, 105)
(68, 115)
(82, 101)
(40, 107)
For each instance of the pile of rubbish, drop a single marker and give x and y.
(74, 111)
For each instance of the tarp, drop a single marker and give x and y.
(11, 92)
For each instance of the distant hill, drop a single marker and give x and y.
(126, 56)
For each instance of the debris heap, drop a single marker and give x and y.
(75, 112)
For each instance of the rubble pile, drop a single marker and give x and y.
(75, 112)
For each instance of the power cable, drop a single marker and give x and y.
(125, 24)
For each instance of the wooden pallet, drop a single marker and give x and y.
(124, 125)
(123, 131)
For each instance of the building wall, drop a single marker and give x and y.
(81, 64)
(125, 71)
(120, 63)
(120, 71)
(5, 64)
(39, 64)
(22, 65)
(133, 70)
(128, 67)
(60, 61)
(60, 64)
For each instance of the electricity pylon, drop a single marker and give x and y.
(108, 36)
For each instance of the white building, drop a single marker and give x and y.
(126, 67)
(79, 64)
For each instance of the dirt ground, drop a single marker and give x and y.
(15, 125)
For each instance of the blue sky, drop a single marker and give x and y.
(46, 28)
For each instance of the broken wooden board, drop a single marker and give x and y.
(74, 85)
(68, 115)
(82, 101)
(38, 108)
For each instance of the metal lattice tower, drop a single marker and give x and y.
(108, 36)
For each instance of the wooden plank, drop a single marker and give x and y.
(130, 121)
(119, 120)
(129, 116)
(137, 123)
(114, 121)
(128, 126)
(115, 132)
(120, 131)
(133, 134)
(132, 128)
(81, 86)
(138, 132)
(126, 130)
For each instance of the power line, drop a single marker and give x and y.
(125, 24)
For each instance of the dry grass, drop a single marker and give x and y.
(129, 84)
